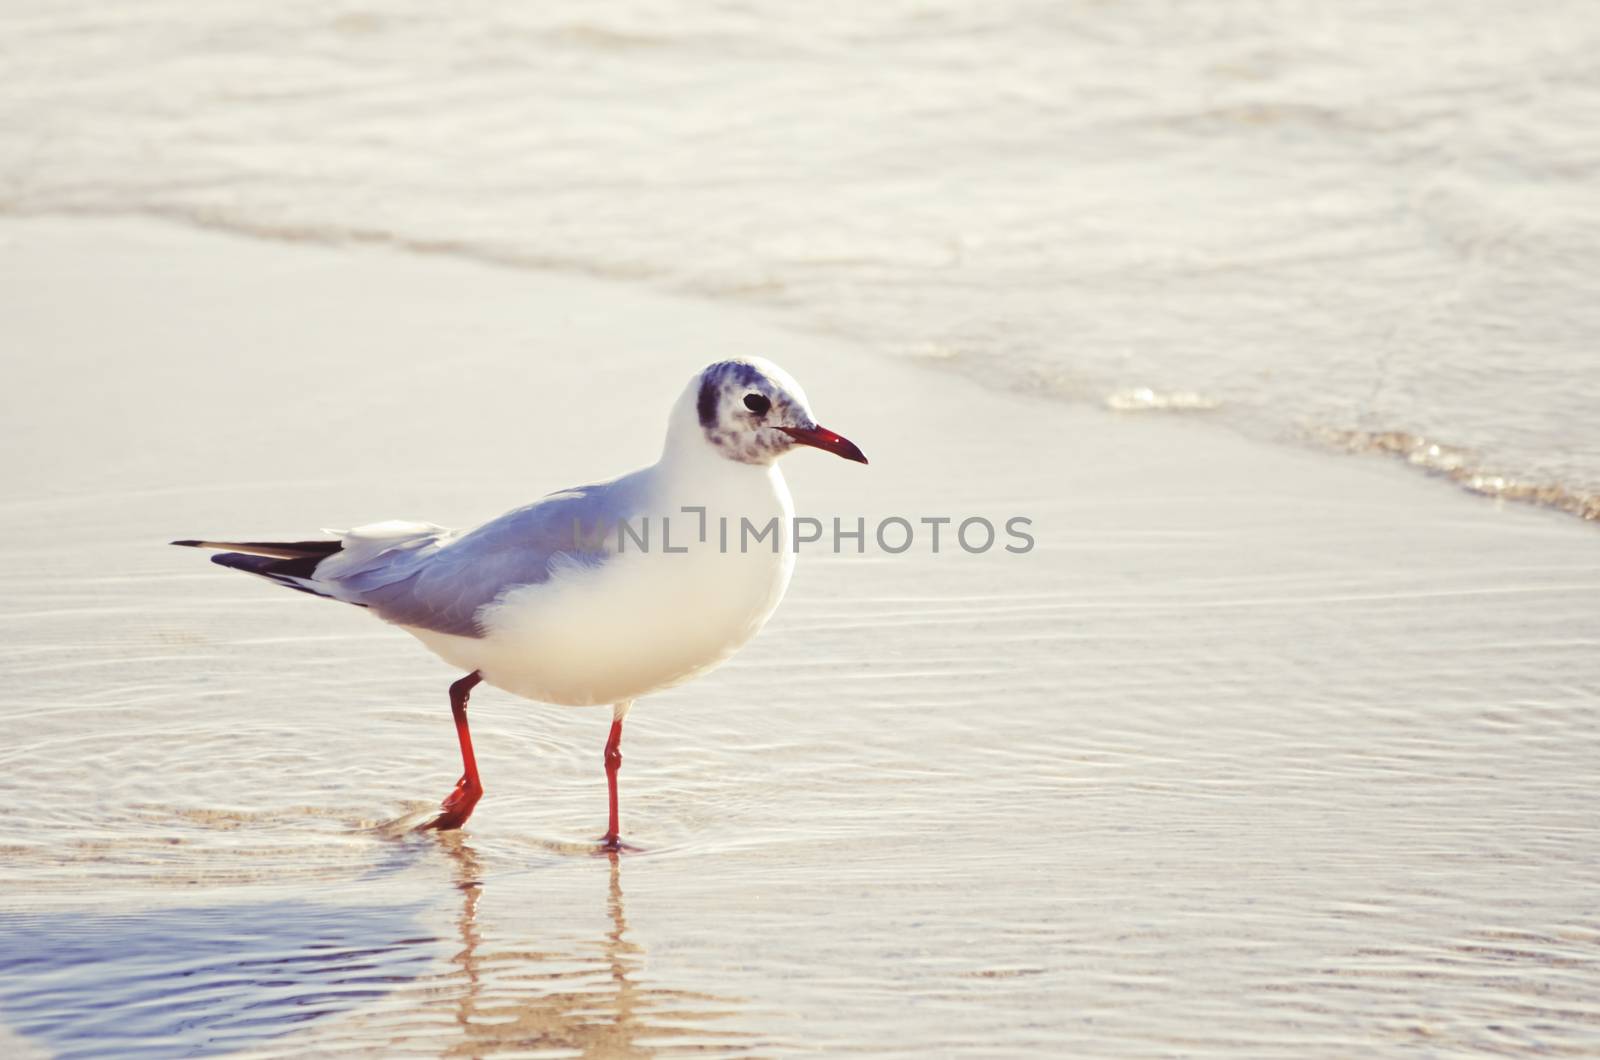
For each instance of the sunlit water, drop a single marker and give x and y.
(1261, 753)
(1370, 224)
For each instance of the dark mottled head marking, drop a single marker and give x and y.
(707, 404)
(741, 405)
(715, 378)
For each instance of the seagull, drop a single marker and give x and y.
(565, 601)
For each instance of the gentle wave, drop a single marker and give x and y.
(1294, 226)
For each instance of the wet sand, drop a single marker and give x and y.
(1258, 752)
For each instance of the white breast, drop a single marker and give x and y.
(643, 620)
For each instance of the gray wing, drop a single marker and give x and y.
(432, 578)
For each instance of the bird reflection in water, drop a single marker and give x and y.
(590, 1000)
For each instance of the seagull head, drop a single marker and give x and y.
(750, 410)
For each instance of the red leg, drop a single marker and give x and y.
(458, 805)
(613, 763)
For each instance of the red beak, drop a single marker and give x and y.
(822, 438)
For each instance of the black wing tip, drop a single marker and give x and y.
(242, 561)
(320, 549)
(287, 572)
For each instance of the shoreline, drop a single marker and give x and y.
(1433, 459)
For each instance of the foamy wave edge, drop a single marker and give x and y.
(1462, 467)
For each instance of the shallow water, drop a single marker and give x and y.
(1260, 752)
(1370, 224)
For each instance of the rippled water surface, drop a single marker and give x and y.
(1260, 752)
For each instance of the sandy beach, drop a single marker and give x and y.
(1259, 752)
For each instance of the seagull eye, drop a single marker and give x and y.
(757, 403)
